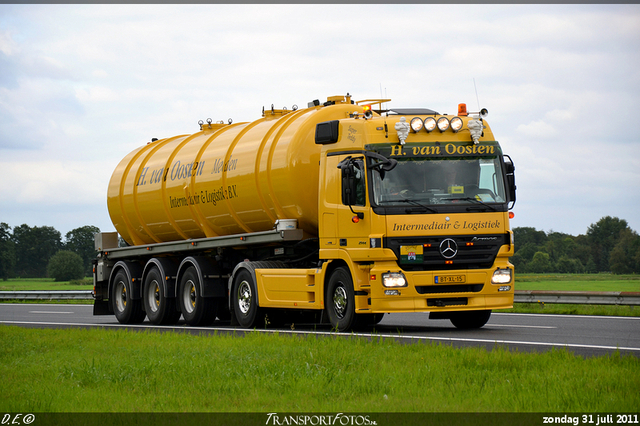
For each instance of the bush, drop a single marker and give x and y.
(83, 281)
(540, 263)
(65, 266)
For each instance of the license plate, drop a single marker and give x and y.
(450, 279)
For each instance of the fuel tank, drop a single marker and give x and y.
(225, 179)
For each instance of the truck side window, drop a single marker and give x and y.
(360, 183)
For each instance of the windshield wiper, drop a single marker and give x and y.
(475, 200)
(406, 200)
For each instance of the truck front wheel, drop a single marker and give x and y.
(126, 309)
(160, 309)
(471, 319)
(340, 300)
(244, 299)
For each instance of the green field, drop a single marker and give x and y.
(44, 284)
(48, 370)
(578, 282)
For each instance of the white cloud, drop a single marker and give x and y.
(52, 182)
(7, 45)
(538, 129)
(96, 94)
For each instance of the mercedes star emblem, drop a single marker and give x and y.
(448, 248)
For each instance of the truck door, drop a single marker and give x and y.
(353, 218)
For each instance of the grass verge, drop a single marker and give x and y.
(45, 284)
(49, 370)
(571, 309)
(578, 282)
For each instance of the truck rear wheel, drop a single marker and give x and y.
(340, 300)
(126, 309)
(196, 309)
(160, 308)
(471, 319)
(245, 300)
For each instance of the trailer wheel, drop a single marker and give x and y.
(126, 309)
(245, 301)
(471, 319)
(196, 309)
(340, 300)
(160, 308)
(222, 309)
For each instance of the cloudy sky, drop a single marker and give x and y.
(83, 85)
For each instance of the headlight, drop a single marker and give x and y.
(456, 124)
(429, 124)
(416, 124)
(394, 279)
(443, 124)
(501, 276)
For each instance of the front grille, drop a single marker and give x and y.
(474, 252)
(458, 301)
(456, 288)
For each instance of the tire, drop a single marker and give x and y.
(222, 309)
(373, 319)
(160, 308)
(340, 300)
(470, 320)
(275, 318)
(196, 309)
(244, 299)
(126, 309)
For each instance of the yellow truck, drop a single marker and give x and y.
(341, 212)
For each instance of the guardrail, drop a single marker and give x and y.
(521, 296)
(48, 295)
(578, 297)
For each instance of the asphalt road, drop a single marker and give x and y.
(584, 335)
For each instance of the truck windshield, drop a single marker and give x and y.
(454, 181)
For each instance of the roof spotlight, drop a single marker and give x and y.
(456, 124)
(416, 124)
(429, 124)
(443, 124)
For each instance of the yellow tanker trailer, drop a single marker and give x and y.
(332, 210)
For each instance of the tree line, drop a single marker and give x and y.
(40, 252)
(609, 245)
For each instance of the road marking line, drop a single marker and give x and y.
(333, 334)
(566, 316)
(50, 312)
(518, 326)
